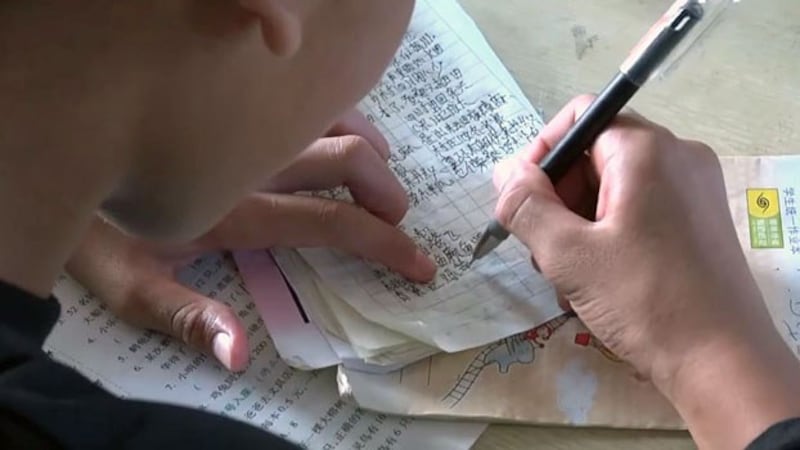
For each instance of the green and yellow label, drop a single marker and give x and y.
(764, 212)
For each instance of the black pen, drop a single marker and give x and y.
(644, 60)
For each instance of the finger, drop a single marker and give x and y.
(573, 188)
(268, 220)
(557, 128)
(579, 186)
(629, 139)
(503, 171)
(346, 161)
(530, 209)
(206, 325)
(150, 298)
(139, 287)
(354, 123)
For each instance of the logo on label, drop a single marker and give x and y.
(764, 213)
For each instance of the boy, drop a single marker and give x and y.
(168, 118)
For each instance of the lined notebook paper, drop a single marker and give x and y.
(450, 111)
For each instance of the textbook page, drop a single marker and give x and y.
(568, 376)
(301, 406)
(450, 111)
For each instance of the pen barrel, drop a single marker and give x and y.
(588, 126)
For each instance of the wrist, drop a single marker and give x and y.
(731, 387)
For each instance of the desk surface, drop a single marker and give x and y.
(738, 91)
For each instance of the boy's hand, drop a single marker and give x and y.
(647, 268)
(137, 278)
(656, 271)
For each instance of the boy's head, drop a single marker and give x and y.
(202, 99)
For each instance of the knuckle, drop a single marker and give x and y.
(399, 206)
(330, 211)
(705, 153)
(516, 192)
(349, 149)
(642, 145)
(689, 153)
(707, 160)
(193, 323)
(504, 213)
(272, 203)
(651, 141)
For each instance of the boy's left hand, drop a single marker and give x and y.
(137, 280)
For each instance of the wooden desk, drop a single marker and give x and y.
(739, 91)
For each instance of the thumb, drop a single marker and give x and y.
(529, 208)
(207, 325)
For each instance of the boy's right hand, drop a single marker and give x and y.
(656, 272)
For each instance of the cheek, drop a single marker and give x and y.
(171, 211)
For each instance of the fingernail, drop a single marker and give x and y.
(424, 268)
(223, 347)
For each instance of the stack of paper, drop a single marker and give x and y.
(450, 111)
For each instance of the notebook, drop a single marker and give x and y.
(450, 111)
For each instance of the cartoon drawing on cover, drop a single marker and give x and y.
(517, 349)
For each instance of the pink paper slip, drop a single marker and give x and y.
(298, 340)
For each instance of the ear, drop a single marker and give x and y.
(280, 24)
